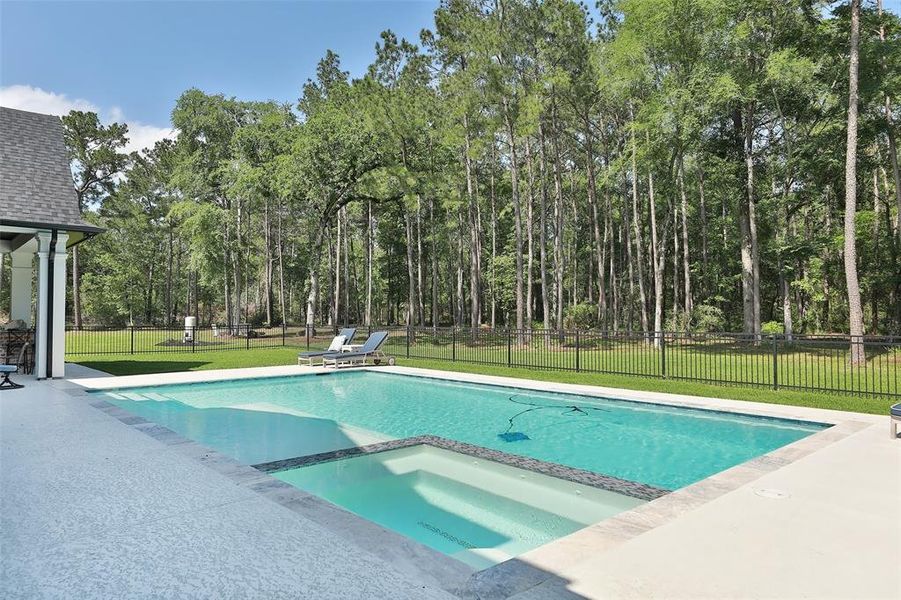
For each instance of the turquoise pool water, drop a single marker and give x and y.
(263, 420)
(477, 511)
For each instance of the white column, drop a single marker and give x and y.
(22, 266)
(41, 334)
(58, 359)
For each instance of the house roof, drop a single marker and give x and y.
(36, 188)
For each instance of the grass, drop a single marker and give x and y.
(126, 364)
(811, 364)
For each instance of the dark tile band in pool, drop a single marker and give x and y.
(605, 482)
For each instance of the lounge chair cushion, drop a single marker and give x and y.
(336, 344)
(8, 368)
(896, 410)
(334, 348)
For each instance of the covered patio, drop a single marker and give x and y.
(40, 220)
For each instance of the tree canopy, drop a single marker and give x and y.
(650, 164)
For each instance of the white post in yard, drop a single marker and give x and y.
(41, 335)
(20, 285)
(58, 334)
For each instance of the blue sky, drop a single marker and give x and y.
(131, 59)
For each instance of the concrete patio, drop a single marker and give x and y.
(94, 508)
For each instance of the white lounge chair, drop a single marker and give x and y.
(369, 350)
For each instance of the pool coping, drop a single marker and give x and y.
(531, 568)
(608, 483)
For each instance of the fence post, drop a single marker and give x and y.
(775, 364)
(454, 343)
(662, 353)
(306, 328)
(284, 333)
(193, 337)
(408, 340)
(509, 348)
(578, 366)
(247, 337)
(132, 339)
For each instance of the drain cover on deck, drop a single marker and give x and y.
(771, 493)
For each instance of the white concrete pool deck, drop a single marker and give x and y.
(93, 508)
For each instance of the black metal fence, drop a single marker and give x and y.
(810, 362)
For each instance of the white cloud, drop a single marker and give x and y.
(141, 135)
(26, 97)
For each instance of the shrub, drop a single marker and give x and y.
(708, 318)
(771, 328)
(579, 316)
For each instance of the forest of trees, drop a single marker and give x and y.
(642, 165)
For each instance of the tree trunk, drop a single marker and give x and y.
(877, 250)
(369, 238)
(315, 258)
(517, 214)
(347, 265)
(686, 267)
(702, 206)
(169, 265)
(420, 282)
(339, 232)
(675, 213)
(626, 233)
(493, 200)
(281, 268)
(657, 257)
(237, 270)
(748, 227)
(434, 237)
(890, 134)
(268, 272)
(411, 277)
(475, 241)
(329, 304)
(458, 312)
(636, 224)
(614, 286)
(593, 204)
(784, 284)
(530, 226)
(787, 327)
(603, 285)
(542, 259)
(855, 310)
(227, 265)
(558, 226)
(574, 246)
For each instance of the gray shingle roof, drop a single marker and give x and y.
(36, 185)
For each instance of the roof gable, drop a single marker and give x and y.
(36, 185)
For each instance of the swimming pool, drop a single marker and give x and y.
(263, 420)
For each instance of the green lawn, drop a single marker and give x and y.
(802, 365)
(125, 364)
